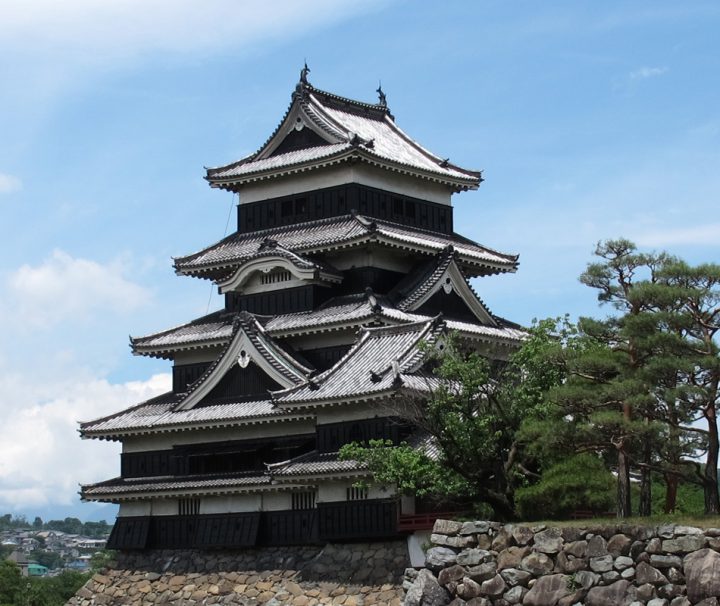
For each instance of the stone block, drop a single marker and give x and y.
(548, 590)
(549, 541)
(702, 574)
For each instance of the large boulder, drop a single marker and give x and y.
(684, 544)
(448, 527)
(616, 594)
(482, 572)
(493, 587)
(473, 557)
(451, 574)
(547, 590)
(537, 564)
(596, 547)
(619, 545)
(702, 574)
(438, 558)
(511, 557)
(426, 591)
(514, 576)
(549, 541)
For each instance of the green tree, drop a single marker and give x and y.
(472, 412)
(10, 582)
(580, 482)
(638, 383)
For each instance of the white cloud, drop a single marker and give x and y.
(9, 184)
(44, 459)
(647, 72)
(65, 287)
(699, 235)
(91, 31)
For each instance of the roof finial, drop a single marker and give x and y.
(303, 73)
(381, 95)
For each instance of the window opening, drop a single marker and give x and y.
(355, 493)
(303, 500)
(189, 507)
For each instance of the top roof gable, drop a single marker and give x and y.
(339, 129)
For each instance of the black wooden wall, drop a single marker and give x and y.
(340, 200)
(344, 521)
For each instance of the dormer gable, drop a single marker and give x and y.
(249, 344)
(274, 267)
(442, 287)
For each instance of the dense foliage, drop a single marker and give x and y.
(634, 394)
(16, 590)
(579, 483)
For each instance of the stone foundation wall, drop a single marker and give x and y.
(359, 574)
(486, 563)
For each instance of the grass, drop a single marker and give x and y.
(655, 520)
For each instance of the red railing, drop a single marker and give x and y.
(422, 521)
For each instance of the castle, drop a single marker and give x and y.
(344, 270)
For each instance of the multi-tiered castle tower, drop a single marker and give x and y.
(344, 262)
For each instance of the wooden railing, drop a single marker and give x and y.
(422, 521)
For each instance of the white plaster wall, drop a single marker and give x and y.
(231, 504)
(164, 507)
(407, 505)
(363, 174)
(195, 356)
(250, 432)
(376, 491)
(331, 492)
(134, 508)
(276, 501)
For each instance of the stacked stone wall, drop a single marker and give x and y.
(489, 564)
(359, 574)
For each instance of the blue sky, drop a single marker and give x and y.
(590, 120)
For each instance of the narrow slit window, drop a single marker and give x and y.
(189, 507)
(355, 493)
(303, 500)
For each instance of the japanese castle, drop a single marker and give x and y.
(343, 265)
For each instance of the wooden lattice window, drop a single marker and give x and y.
(275, 277)
(355, 493)
(189, 507)
(303, 500)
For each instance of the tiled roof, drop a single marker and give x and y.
(372, 366)
(314, 463)
(120, 488)
(213, 329)
(333, 233)
(159, 414)
(352, 130)
(339, 313)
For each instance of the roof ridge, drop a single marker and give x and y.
(377, 107)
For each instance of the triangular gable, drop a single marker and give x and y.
(249, 343)
(446, 277)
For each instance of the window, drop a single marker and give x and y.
(303, 500)
(189, 507)
(357, 494)
(275, 276)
